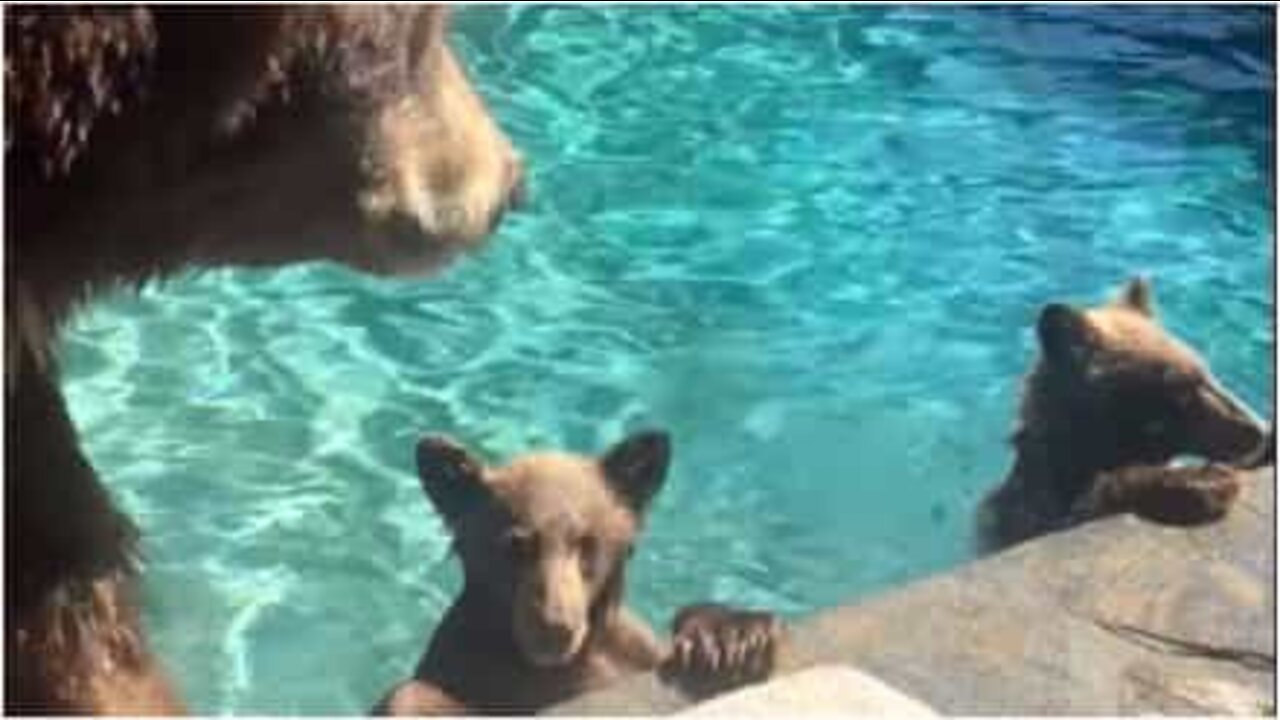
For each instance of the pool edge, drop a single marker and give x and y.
(1116, 617)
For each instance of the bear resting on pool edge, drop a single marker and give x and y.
(1112, 400)
(544, 543)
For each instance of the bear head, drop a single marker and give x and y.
(258, 135)
(544, 540)
(1126, 391)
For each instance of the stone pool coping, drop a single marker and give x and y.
(1116, 617)
(822, 689)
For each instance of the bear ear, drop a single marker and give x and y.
(1138, 295)
(1065, 333)
(636, 467)
(451, 477)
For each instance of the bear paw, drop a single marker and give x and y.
(1173, 496)
(716, 648)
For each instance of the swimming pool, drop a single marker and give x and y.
(809, 241)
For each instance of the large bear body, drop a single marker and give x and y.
(141, 141)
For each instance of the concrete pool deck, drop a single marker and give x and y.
(1116, 617)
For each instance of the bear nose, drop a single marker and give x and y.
(558, 632)
(1264, 454)
(517, 188)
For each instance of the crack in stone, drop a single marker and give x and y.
(1253, 660)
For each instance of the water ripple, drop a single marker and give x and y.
(811, 241)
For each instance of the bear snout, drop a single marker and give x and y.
(437, 174)
(1263, 454)
(557, 635)
(516, 197)
(1224, 429)
(550, 641)
(551, 614)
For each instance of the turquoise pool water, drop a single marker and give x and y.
(810, 242)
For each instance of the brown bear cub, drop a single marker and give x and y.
(544, 543)
(1112, 400)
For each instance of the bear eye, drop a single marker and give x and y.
(1181, 384)
(588, 549)
(521, 545)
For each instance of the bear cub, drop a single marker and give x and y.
(544, 542)
(1112, 401)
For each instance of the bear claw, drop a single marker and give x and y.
(717, 648)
